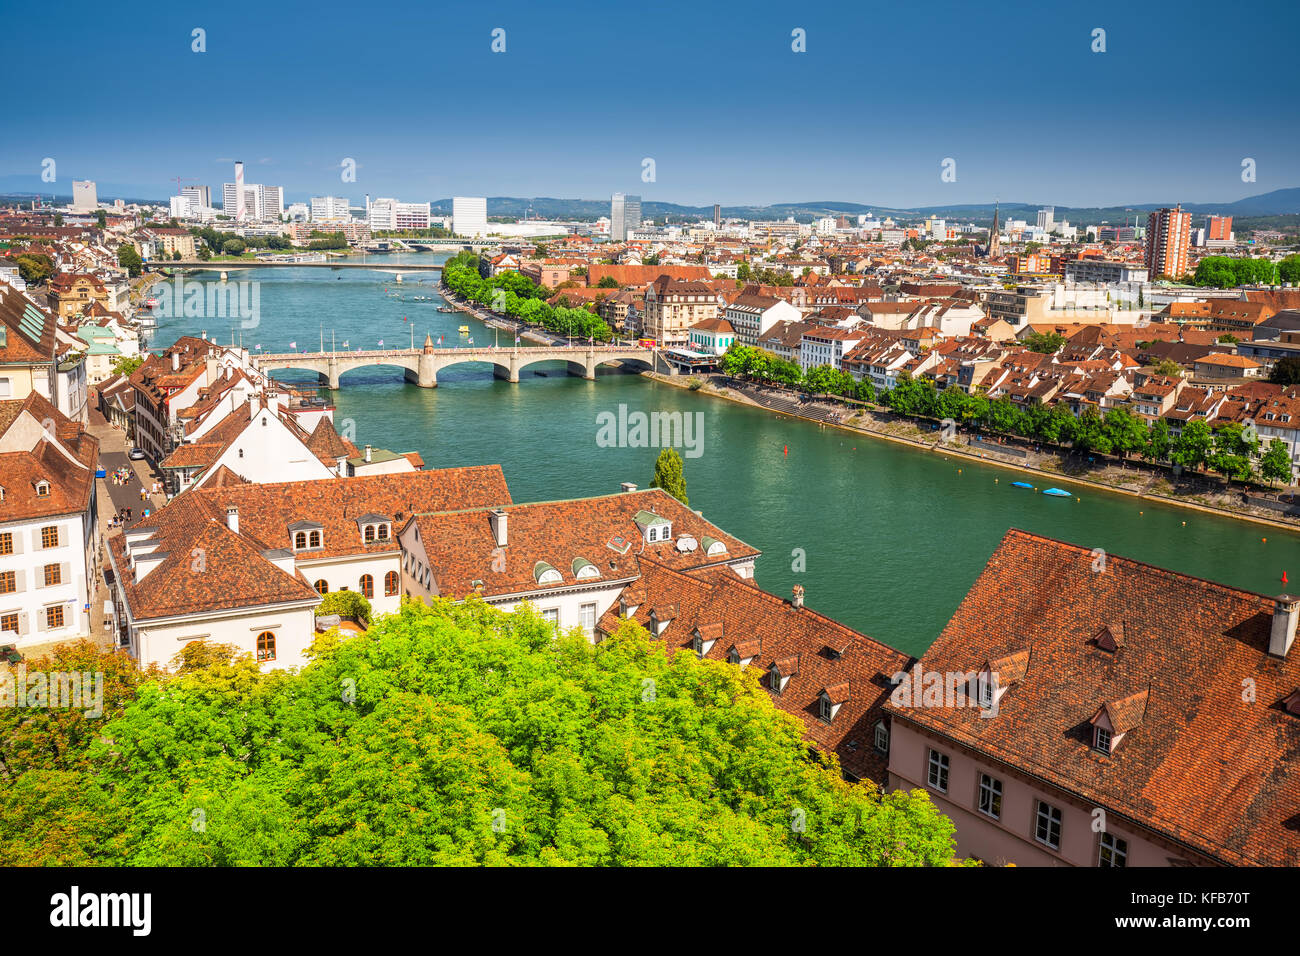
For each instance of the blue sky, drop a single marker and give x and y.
(711, 91)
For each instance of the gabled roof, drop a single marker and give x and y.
(774, 630)
(1203, 767)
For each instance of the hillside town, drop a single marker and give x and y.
(254, 503)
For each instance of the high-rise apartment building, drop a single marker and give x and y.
(330, 209)
(624, 216)
(1218, 227)
(717, 216)
(201, 195)
(1047, 218)
(1169, 232)
(469, 215)
(272, 202)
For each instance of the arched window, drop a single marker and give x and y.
(367, 586)
(315, 539)
(265, 647)
(300, 540)
(322, 586)
(383, 532)
(369, 535)
(390, 583)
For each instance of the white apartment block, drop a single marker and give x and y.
(469, 215)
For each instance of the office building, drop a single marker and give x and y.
(624, 216)
(84, 198)
(202, 195)
(469, 215)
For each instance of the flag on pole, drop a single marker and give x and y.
(293, 345)
(345, 343)
(259, 346)
(381, 343)
(516, 340)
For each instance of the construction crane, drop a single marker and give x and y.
(178, 180)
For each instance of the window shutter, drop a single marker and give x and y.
(18, 543)
(65, 573)
(40, 620)
(23, 625)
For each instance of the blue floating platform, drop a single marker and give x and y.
(1058, 493)
(1021, 484)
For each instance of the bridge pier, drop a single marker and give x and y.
(584, 369)
(507, 373)
(330, 377)
(426, 370)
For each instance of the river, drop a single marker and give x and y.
(889, 537)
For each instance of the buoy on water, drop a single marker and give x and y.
(787, 450)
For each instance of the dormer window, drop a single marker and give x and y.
(774, 679)
(881, 737)
(1101, 739)
(369, 534)
(544, 573)
(825, 709)
(42, 489)
(697, 644)
(305, 535)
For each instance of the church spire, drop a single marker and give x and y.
(992, 247)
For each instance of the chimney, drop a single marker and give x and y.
(232, 518)
(176, 361)
(628, 486)
(797, 599)
(498, 518)
(1286, 609)
(367, 453)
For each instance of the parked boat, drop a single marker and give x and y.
(463, 330)
(1021, 484)
(444, 308)
(1058, 493)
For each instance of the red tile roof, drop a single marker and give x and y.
(1201, 764)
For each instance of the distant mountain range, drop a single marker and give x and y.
(1279, 202)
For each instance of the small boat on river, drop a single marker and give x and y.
(1021, 484)
(1058, 493)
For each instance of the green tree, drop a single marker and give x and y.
(101, 218)
(1090, 434)
(1048, 343)
(1234, 446)
(34, 267)
(129, 259)
(1191, 449)
(669, 475)
(352, 604)
(1158, 441)
(1169, 368)
(126, 365)
(1285, 371)
(1275, 465)
(1126, 432)
(607, 282)
(472, 737)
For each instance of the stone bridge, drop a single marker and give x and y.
(421, 366)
